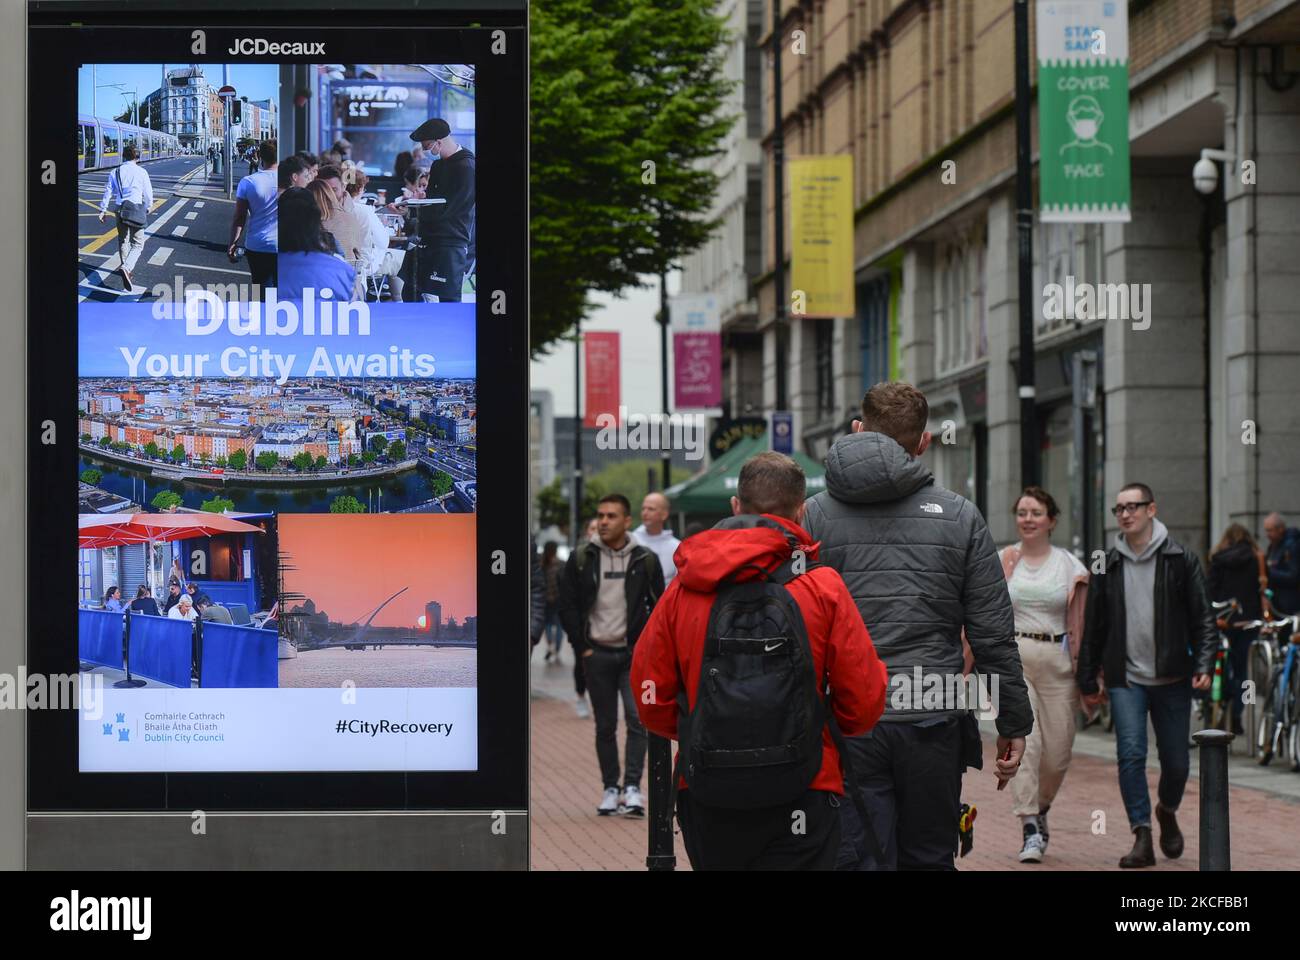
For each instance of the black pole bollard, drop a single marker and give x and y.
(661, 856)
(126, 653)
(1216, 842)
(196, 654)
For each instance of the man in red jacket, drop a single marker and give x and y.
(765, 532)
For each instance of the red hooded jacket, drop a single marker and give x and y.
(671, 645)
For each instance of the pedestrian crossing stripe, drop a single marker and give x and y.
(160, 256)
(192, 215)
(180, 231)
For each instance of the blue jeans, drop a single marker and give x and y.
(1170, 707)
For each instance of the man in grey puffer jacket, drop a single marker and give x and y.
(919, 561)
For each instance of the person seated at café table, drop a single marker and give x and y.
(306, 259)
(184, 609)
(211, 611)
(174, 594)
(143, 603)
(113, 600)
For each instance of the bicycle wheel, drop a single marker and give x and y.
(1266, 728)
(1293, 718)
(1261, 669)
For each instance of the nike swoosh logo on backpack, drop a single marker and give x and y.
(768, 648)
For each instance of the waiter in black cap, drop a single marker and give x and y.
(445, 229)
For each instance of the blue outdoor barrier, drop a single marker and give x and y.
(161, 649)
(226, 592)
(99, 637)
(239, 656)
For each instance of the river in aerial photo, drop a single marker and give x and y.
(378, 494)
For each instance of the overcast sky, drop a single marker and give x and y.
(634, 318)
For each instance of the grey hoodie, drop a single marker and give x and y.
(608, 619)
(1140, 605)
(921, 566)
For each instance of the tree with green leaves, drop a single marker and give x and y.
(86, 438)
(266, 460)
(178, 452)
(628, 477)
(397, 450)
(353, 459)
(320, 463)
(221, 461)
(626, 95)
(238, 460)
(369, 457)
(218, 504)
(302, 462)
(105, 442)
(441, 483)
(151, 449)
(91, 476)
(347, 504)
(378, 442)
(166, 500)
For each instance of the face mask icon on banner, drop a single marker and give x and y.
(1084, 117)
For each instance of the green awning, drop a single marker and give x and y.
(711, 491)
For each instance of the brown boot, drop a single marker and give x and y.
(1171, 838)
(1141, 855)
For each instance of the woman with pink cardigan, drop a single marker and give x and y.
(1048, 587)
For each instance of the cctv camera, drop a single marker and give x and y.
(1205, 175)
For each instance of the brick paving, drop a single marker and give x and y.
(568, 835)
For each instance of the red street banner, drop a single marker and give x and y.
(697, 362)
(603, 394)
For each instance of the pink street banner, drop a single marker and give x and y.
(697, 365)
(602, 369)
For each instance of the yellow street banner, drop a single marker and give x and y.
(821, 226)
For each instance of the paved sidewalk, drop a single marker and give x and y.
(568, 835)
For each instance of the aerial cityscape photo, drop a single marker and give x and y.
(391, 431)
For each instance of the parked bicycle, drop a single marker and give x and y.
(1214, 710)
(1275, 656)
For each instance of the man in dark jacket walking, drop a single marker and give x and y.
(607, 592)
(1150, 630)
(921, 567)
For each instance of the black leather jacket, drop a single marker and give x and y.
(580, 582)
(1186, 641)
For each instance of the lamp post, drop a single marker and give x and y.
(1030, 442)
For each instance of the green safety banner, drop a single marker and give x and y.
(1083, 111)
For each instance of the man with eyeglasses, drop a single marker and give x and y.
(1150, 630)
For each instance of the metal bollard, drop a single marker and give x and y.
(661, 856)
(1216, 841)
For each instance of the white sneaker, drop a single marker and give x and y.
(1032, 851)
(609, 804)
(581, 709)
(632, 805)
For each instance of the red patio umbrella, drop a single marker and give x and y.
(95, 531)
(98, 532)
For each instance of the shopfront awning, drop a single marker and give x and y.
(710, 492)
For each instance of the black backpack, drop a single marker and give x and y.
(754, 737)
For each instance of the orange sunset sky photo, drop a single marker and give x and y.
(348, 564)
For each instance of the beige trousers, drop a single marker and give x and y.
(1054, 696)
